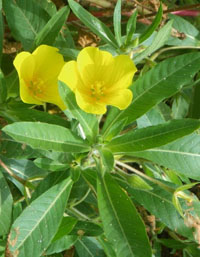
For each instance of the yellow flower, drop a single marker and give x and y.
(98, 79)
(38, 75)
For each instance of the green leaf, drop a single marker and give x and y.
(46, 137)
(152, 136)
(1, 35)
(86, 228)
(11, 149)
(3, 89)
(50, 180)
(48, 164)
(62, 244)
(182, 155)
(180, 107)
(30, 18)
(12, 84)
(106, 246)
(117, 22)
(48, 6)
(107, 159)
(194, 108)
(161, 82)
(159, 203)
(69, 53)
(49, 32)
(130, 27)
(110, 128)
(39, 222)
(25, 169)
(6, 202)
(137, 182)
(190, 32)
(159, 40)
(89, 247)
(96, 26)
(157, 115)
(122, 224)
(65, 227)
(88, 121)
(153, 26)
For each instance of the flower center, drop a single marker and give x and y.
(97, 89)
(36, 86)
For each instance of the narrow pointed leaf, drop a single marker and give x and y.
(117, 22)
(122, 224)
(46, 137)
(158, 41)
(130, 27)
(30, 18)
(1, 35)
(153, 26)
(39, 222)
(89, 247)
(159, 202)
(50, 31)
(153, 136)
(182, 155)
(6, 202)
(96, 26)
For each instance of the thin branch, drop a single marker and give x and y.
(141, 174)
(81, 200)
(12, 174)
(172, 48)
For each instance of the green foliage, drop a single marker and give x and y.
(50, 31)
(124, 184)
(6, 203)
(123, 226)
(30, 18)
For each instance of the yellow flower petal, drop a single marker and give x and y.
(48, 62)
(19, 60)
(26, 94)
(50, 94)
(121, 99)
(25, 65)
(27, 68)
(121, 72)
(70, 76)
(88, 106)
(92, 64)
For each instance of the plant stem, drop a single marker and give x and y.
(12, 174)
(141, 174)
(172, 48)
(81, 200)
(79, 214)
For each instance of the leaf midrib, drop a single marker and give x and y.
(23, 14)
(173, 151)
(45, 213)
(46, 140)
(115, 213)
(149, 137)
(169, 75)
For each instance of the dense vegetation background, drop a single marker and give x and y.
(122, 184)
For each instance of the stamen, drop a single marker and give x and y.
(36, 87)
(97, 90)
